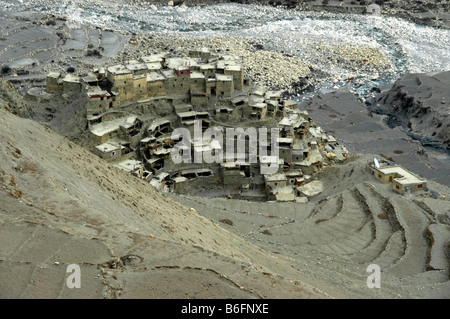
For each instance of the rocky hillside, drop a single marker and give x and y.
(61, 205)
(420, 103)
(11, 101)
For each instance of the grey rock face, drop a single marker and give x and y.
(421, 105)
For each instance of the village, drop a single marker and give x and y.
(133, 109)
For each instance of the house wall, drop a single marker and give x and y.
(177, 86)
(140, 88)
(385, 178)
(97, 105)
(286, 154)
(99, 139)
(123, 84)
(400, 188)
(110, 156)
(198, 84)
(208, 72)
(238, 78)
(54, 85)
(397, 187)
(156, 89)
(224, 88)
(209, 86)
(71, 87)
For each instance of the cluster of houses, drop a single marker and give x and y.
(134, 108)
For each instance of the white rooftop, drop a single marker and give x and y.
(107, 147)
(103, 128)
(405, 177)
(224, 78)
(118, 69)
(275, 177)
(129, 165)
(151, 77)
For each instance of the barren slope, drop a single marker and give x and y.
(60, 205)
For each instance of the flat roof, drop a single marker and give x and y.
(148, 139)
(153, 58)
(233, 68)
(179, 179)
(174, 63)
(107, 147)
(285, 140)
(197, 75)
(90, 78)
(103, 128)
(129, 122)
(313, 157)
(294, 173)
(406, 177)
(153, 66)
(224, 78)
(269, 159)
(71, 78)
(95, 90)
(130, 165)
(286, 121)
(192, 113)
(258, 105)
(118, 69)
(271, 94)
(187, 114)
(162, 151)
(207, 66)
(151, 77)
(227, 108)
(230, 57)
(54, 74)
(168, 73)
(256, 99)
(156, 123)
(275, 177)
(259, 90)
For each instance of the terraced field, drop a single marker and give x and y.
(337, 237)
